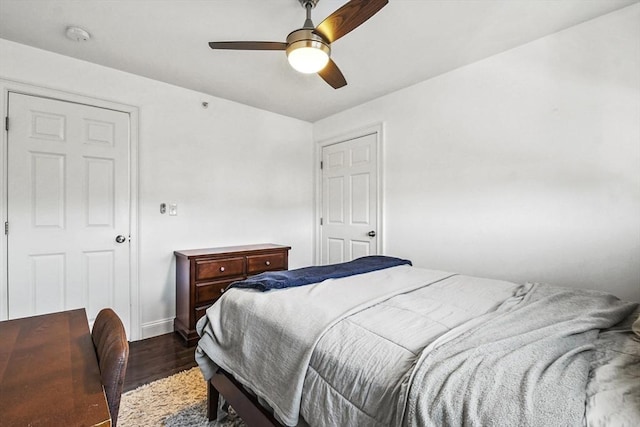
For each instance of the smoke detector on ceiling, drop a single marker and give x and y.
(78, 34)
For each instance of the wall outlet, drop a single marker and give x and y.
(173, 209)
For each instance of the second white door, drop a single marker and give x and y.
(349, 200)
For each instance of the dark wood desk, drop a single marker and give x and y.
(49, 374)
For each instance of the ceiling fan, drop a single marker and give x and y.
(309, 48)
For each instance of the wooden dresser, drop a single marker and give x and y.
(203, 274)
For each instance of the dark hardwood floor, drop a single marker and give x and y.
(156, 358)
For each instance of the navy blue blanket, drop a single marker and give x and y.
(309, 275)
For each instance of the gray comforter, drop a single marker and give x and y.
(460, 350)
(267, 338)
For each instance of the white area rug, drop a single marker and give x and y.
(178, 401)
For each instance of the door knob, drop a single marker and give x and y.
(121, 239)
(371, 233)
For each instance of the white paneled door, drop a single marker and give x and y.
(68, 208)
(349, 200)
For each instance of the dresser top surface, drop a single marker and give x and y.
(190, 253)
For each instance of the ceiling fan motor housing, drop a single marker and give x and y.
(306, 38)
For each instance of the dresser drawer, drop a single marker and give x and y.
(200, 311)
(219, 268)
(207, 292)
(269, 262)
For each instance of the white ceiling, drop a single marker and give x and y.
(408, 41)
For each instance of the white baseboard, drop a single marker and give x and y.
(158, 327)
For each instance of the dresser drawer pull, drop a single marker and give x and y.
(267, 263)
(221, 269)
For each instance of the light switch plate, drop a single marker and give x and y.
(173, 209)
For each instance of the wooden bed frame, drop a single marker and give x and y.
(245, 404)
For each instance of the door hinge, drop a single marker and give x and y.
(6, 227)
(320, 220)
(6, 123)
(321, 164)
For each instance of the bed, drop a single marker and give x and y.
(406, 346)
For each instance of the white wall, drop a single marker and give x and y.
(239, 175)
(524, 166)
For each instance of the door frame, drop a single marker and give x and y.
(374, 129)
(7, 86)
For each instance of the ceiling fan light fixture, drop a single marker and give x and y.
(308, 59)
(307, 52)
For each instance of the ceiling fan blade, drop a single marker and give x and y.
(332, 75)
(248, 45)
(349, 17)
